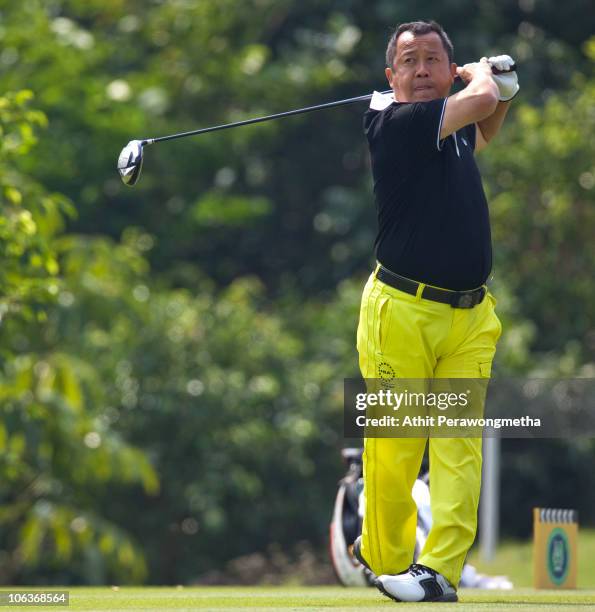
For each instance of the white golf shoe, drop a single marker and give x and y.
(420, 583)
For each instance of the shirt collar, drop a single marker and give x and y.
(381, 101)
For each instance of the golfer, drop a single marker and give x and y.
(426, 312)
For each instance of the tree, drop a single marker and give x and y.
(55, 451)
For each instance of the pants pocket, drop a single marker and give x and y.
(383, 321)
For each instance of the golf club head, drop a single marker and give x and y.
(130, 162)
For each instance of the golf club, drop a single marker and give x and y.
(130, 161)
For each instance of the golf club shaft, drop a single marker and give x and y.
(298, 111)
(307, 109)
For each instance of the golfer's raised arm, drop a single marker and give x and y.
(474, 103)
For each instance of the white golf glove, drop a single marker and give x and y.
(508, 82)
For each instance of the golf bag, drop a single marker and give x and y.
(346, 525)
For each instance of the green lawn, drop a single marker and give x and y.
(513, 559)
(308, 598)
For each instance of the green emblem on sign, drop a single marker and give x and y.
(558, 556)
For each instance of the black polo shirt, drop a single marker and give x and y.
(433, 219)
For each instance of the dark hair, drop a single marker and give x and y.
(417, 28)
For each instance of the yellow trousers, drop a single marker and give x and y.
(404, 336)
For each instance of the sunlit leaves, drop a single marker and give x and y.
(543, 212)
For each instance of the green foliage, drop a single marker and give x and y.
(29, 216)
(172, 356)
(55, 449)
(215, 390)
(214, 210)
(542, 180)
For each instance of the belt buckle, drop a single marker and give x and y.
(464, 301)
(468, 300)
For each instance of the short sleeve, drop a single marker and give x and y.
(409, 129)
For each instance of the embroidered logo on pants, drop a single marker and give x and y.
(386, 373)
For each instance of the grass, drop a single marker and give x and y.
(513, 559)
(309, 598)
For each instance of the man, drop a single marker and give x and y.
(426, 312)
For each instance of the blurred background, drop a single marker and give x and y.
(172, 356)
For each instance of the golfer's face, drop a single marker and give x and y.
(421, 70)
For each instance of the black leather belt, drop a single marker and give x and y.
(457, 299)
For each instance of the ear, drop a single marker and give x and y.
(453, 70)
(389, 76)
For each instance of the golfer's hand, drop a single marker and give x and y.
(508, 83)
(481, 69)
